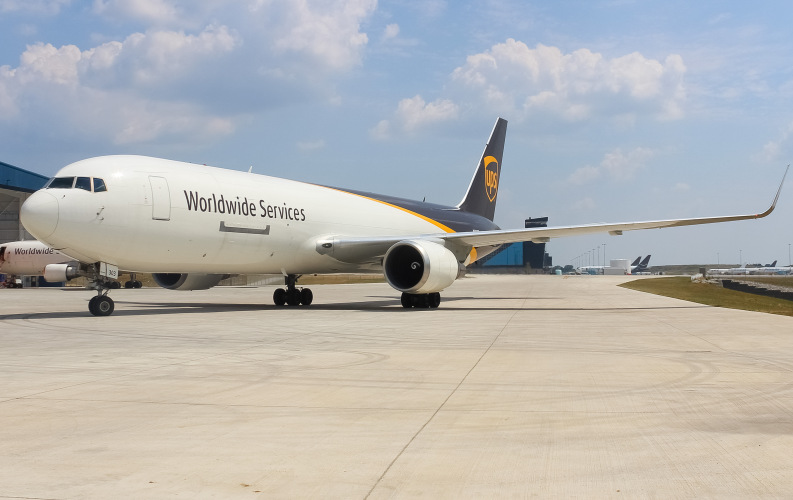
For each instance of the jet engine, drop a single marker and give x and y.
(175, 281)
(416, 266)
(55, 273)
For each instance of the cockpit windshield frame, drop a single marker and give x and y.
(90, 184)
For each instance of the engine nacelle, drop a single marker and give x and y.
(415, 266)
(175, 281)
(54, 273)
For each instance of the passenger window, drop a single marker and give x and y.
(83, 183)
(61, 183)
(99, 185)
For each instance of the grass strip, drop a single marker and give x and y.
(681, 287)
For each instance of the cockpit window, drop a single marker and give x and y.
(77, 183)
(61, 183)
(83, 183)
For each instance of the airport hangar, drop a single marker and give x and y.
(522, 256)
(16, 185)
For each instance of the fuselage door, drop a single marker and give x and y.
(160, 198)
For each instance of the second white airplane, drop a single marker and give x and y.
(192, 225)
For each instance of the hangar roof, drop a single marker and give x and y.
(17, 179)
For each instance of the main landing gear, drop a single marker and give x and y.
(291, 295)
(421, 300)
(133, 282)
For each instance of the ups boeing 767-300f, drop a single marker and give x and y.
(192, 225)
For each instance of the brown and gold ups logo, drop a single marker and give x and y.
(491, 177)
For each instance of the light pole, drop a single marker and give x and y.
(740, 258)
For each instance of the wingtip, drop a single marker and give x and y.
(776, 198)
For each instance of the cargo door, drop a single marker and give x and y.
(160, 198)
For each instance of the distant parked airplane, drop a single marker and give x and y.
(642, 266)
(31, 258)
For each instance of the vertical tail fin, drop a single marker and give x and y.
(483, 190)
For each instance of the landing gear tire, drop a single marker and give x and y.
(279, 296)
(306, 296)
(291, 295)
(101, 305)
(421, 300)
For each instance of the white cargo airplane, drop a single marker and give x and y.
(34, 258)
(31, 258)
(190, 225)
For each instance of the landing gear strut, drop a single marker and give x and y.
(421, 300)
(291, 295)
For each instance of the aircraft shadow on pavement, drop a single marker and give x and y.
(377, 304)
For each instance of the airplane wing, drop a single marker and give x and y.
(358, 249)
(543, 234)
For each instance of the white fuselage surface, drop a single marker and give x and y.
(159, 215)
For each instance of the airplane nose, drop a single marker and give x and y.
(39, 214)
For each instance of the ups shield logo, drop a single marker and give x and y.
(491, 177)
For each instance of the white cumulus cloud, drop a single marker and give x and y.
(102, 90)
(156, 12)
(413, 113)
(194, 69)
(391, 31)
(773, 150)
(616, 165)
(327, 31)
(514, 79)
(49, 7)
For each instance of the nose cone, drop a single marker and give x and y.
(39, 214)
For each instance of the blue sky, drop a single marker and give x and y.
(618, 110)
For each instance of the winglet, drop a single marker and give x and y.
(776, 198)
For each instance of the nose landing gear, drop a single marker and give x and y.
(101, 304)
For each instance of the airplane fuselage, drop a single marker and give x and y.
(156, 215)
